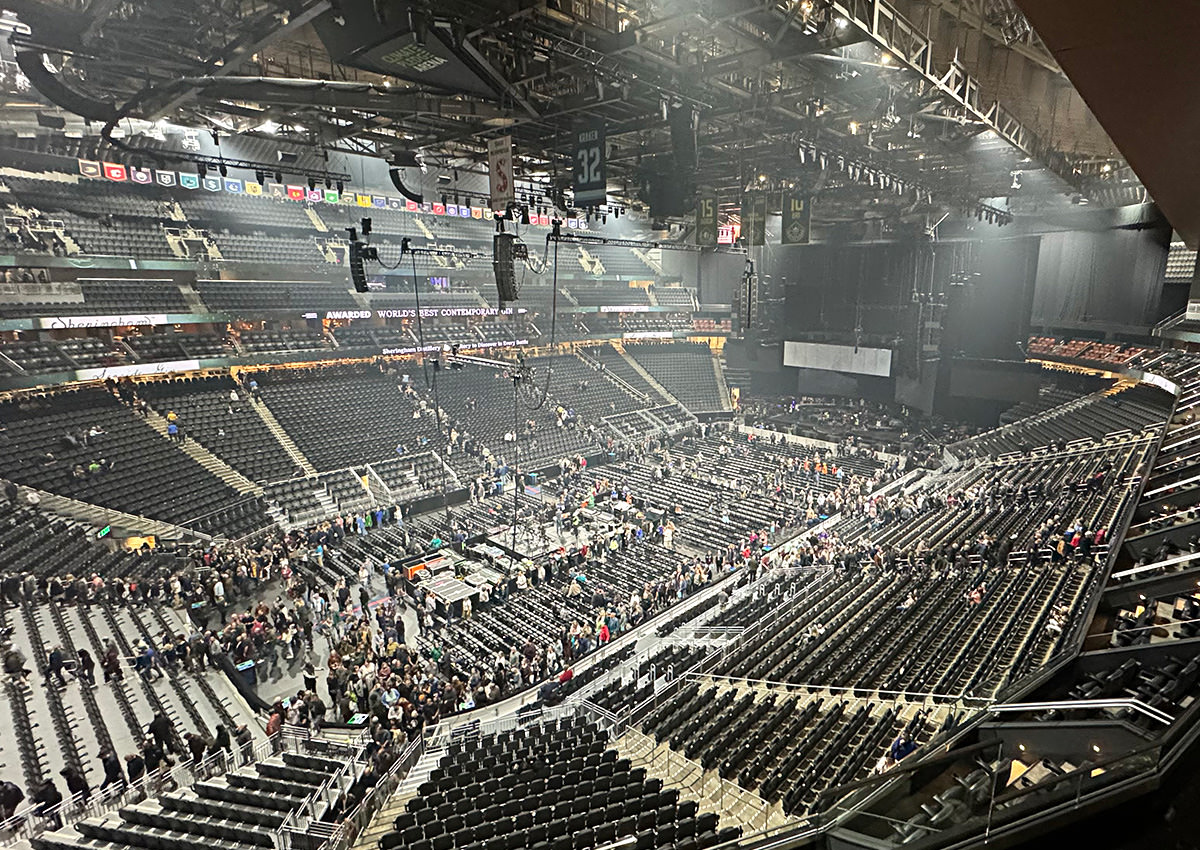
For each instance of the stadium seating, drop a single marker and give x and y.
(686, 369)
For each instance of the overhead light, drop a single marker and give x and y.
(853, 127)
(268, 126)
(1107, 167)
(842, 23)
(762, 178)
(920, 156)
(885, 59)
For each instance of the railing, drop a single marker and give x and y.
(374, 801)
(29, 822)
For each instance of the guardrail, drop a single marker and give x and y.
(32, 820)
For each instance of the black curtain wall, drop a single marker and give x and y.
(1110, 277)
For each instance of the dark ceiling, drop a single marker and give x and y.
(1138, 68)
(882, 116)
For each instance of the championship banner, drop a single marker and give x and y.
(797, 219)
(90, 168)
(189, 181)
(591, 168)
(233, 185)
(164, 178)
(754, 219)
(212, 184)
(332, 196)
(706, 218)
(501, 186)
(296, 193)
(115, 171)
(253, 188)
(141, 176)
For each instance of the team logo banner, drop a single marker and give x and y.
(316, 195)
(164, 178)
(189, 181)
(411, 206)
(115, 171)
(464, 212)
(379, 202)
(451, 209)
(90, 168)
(395, 204)
(476, 212)
(797, 219)
(362, 200)
(141, 176)
(233, 185)
(253, 188)
(332, 196)
(296, 193)
(212, 184)
(439, 209)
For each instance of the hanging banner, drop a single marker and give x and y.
(452, 209)
(315, 196)
(754, 218)
(253, 188)
(797, 219)
(233, 185)
(500, 172)
(164, 178)
(464, 211)
(439, 209)
(395, 203)
(477, 212)
(706, 218)
(141, 176)
(591, 168)
(277, 190)
(332, 196)
(212, 184)
(379, 202)
(189, 181)
(488, 214)
(90, 168)
(115, 171)
(411, 206)
(296, 193)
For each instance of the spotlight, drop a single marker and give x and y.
(341, 188)
(223, 170)
(312, 183)
(260, 176)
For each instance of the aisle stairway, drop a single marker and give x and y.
(407, 790)
(282, 436)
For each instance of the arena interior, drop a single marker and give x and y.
(617, 424)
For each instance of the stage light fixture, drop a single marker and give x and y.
(312, 183)
(340, 187)
(278, 176)
(223, 169)
(260, 176)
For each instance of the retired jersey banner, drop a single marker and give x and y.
(189, 181)
(233, 185)
(164, 178)
(115, 171)
(296, 193)
(253, 188)
(212, 184)
(141, 176)
(590, 169)
(797, 219)
(706, 218)
(90, 168)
